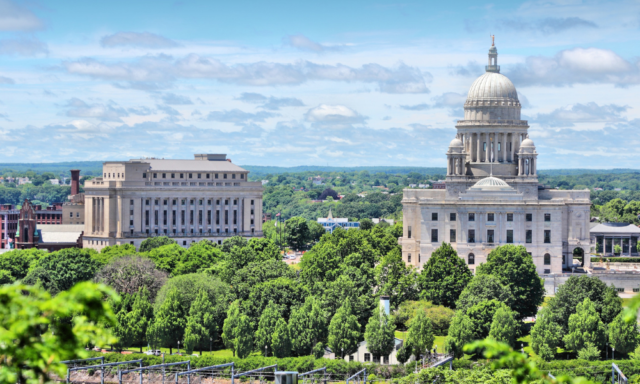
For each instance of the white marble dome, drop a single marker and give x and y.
(491, 184)
(527, 143)
(492, 87)
(456, 143)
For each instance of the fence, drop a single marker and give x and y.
(211, 372)
(101, 367)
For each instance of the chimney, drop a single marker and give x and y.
(384, 304)
(75, 182)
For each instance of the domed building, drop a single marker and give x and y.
(492, 195)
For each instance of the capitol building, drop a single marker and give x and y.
(492, 195)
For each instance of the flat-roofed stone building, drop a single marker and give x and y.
(208, 197)
(492, 196)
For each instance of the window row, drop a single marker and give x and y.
(471, 236)
(165, 175)
(191, 202)
(200, 217)
(490, 216)
(471, 259)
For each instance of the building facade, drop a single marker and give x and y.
(330, 223)
(491, 195)
(188, 200)
(606, 236)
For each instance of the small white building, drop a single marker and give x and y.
(54, 181)
(23, 180)
(330, 223)
(377, 221)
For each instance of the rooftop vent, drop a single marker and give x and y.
(211, 157)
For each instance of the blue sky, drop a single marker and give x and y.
(311, 83)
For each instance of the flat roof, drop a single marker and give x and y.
(191, 165)
(603, 228)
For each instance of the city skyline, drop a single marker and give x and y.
(296, 84)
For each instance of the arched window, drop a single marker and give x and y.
(472, 259)
(547, 259)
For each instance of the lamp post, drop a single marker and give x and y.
(210, 345)
(266, 350)
(522, 347)
(613, 352)
(342, 352)
(178, 347)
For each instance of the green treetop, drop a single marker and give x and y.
(380, 334)
(344, 331)
(444, 276)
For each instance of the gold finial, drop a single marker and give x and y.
(493, 40)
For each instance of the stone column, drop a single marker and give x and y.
(504, 147)
(478, 156)
(93, 215)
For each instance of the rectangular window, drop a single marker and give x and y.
(182, 175)
(191, 217)
(472, 236)
(242, 176)
(226, 217)
(409, 232)
(182, 218)
(409, 258)
(208, 176)
(130, 222)
(434, 216)
(547, 236)
(191, 175)
(226, 202)
(147, 202)
(164, 218)
(173, 175)
(146, 217)
(164, 175)
(218, 218)
(490, 217)
(499, 146)
(484, 146)
(509, 216)
(155, 217)
(251, 202)
(166, 202)
(547, 271)
(209, 217)
(367, 357)
(529, 216)
(529, 236)
(235, 217)
(144, 175)
(472, 217)
(131, 202)
(620, 289)
(489, 236)
(199, 175)
(70, 214)
(251, 221)
(434, 235)
(200, 217)
(452, 235)
(155, 175)
(216, 175)
(547, 217)
(509, 236)
(174, 217)
(233, 176)
(452, 216)
(224, 175)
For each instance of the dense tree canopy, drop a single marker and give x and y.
(444, 276)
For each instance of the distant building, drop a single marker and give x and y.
(440, 184)
(23, 180)
(330, 223)
(30, 234)
(317, 180)
(413, 185)
(54, 181)
(423, 186)
(377, 221)
(9, 217)
(597, 189)
(264, 182)
(73, 210)
(605, 236)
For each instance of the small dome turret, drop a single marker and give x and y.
(456, 143)
(527, 143)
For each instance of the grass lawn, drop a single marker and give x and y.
(219, 353)
(439, 341)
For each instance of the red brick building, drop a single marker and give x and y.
(9, 215)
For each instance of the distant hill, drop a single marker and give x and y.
(95, 168)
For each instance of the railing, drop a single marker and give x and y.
(520, 123)
(145, 235)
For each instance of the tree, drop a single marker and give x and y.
(329, 193)
(307, 326)
(168, 257)
(265, 249)
(201, 323)
(190, 285)
(504, 327)
(243, 337)
(513, 266)
(140, 317)
(318, 350)
(481, 316)
(380, 334)
(344, 331)
(546, 334)
(444, 276)
(585, 326)
(235, 241)
(16, 263)
(461, 332)
(316, 230)
(482, 288)
(395, 279)
(112, 252)
(130, 273)
(245, 279)
(366, 224)
(589, 352)
(297, 232)
(230, 323)
(420, 339)
(266, 327)
(65, 268)
(281, 340)
(30, 350)
(623, 336)
(155, 242)
(168, 326)
(573, 292)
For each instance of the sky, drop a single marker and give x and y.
(288, 83)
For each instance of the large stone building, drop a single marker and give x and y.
(208, 197)
(492, 196)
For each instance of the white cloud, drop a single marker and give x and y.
(6, 80)
(304, 43)
(173, 99)
(239, 117)
(272, 103)
(581, 113)
(110, 112)
(334, 114)
(576, 66)
(14, 17)
(154, 72)
(137, 39)
(23, 47)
